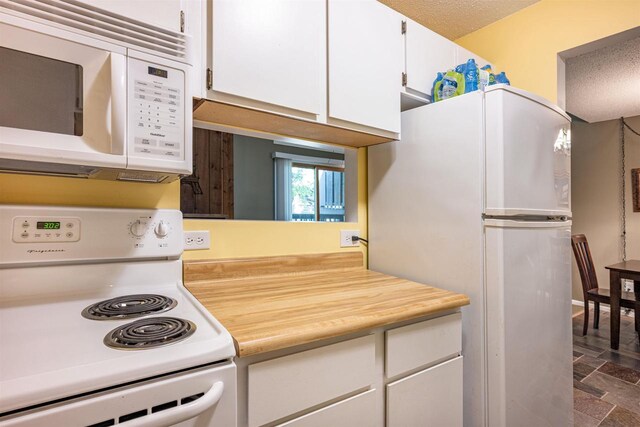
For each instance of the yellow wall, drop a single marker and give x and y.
(526, 44)
(37, 190)
(228, 238)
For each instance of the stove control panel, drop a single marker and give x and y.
(146, 227)
(30, 229)
(49, 234)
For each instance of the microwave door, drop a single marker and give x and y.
(61, 101)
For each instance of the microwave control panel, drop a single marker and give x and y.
(156, 111)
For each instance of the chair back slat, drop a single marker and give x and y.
(584, 261)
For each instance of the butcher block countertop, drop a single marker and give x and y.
(273, 303)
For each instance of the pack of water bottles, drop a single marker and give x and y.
(465, 78)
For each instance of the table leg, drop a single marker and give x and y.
(614, 278)
(636, 310)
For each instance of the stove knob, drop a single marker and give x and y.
(162, 229)
(138, 228)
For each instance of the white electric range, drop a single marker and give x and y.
(96, 327)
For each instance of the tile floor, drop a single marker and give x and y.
(606, 382)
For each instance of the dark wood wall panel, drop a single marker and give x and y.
(215, 171)
(227, 173)
(209, 191)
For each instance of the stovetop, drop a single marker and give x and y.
(51, 350)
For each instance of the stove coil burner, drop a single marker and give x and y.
(149, 333)
(129, 307)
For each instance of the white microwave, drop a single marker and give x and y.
(85, 95)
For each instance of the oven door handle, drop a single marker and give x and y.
(182, 413)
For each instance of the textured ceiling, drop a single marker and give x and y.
(605, 84)
(456, 18)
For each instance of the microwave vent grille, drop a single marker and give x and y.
(71, 14)
(134, 176)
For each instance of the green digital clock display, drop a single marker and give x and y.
(48, 225)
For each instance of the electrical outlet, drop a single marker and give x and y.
(195, 240)
(346, 238)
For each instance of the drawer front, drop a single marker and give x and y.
(432, 397)
(289, 384)
(358, 410)
(420, 344)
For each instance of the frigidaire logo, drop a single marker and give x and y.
(44, 251)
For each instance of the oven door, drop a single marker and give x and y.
(61, 101)
(203, 397)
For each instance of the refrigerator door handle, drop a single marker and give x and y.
(514, 223)
(530, 217)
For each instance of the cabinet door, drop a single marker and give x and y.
(272, 51)
(432, 397)
(159, 13)
(365, 63)
(359, 410)
(463, 55)
(426, 54)
(411, 347)
(290, 384)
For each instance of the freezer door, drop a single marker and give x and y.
(529, 342)
(528, 155)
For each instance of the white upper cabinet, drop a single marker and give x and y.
(463, 55)
(159, 13)
(365, 64)
(270, 51)
(426, 54)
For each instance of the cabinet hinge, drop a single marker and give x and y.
(404, 79)
(182, 21)
(209, 78)
(404, 27)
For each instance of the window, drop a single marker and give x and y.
(317, 193)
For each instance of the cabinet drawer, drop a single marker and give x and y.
(432, 397)
(289, 384)
(356, 411)
(420, 344)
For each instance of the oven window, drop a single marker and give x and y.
(39, 93)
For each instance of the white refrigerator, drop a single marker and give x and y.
(475, 198)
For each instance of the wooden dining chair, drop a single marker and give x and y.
(590, 289)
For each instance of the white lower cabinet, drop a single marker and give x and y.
(358, 410)
(403, 375)
(432, 397)
(411, 347)
(289, 384)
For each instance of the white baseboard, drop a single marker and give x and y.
(604, 307)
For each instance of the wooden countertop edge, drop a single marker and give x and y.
(293, 338)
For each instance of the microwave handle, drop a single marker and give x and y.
(118, 102)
